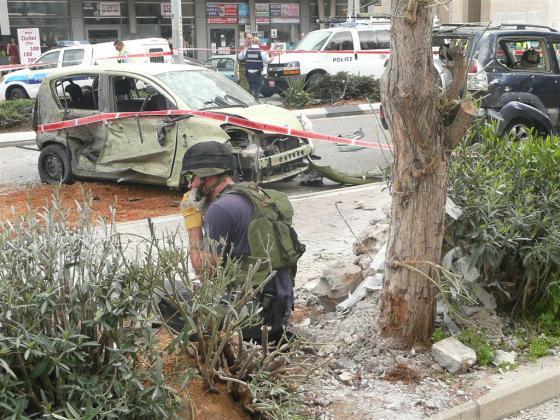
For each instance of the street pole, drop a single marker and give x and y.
(177, 31)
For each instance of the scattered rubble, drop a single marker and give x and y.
(504, 358)
(453, 355)
(372, 238)
(336, 282)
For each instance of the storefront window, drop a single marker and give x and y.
(278, 23)
(50, 16)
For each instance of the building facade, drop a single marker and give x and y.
(221, 25)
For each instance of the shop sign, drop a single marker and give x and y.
(289, 10)
(243, 20)
(110, 9)
(263, 20)
(29, 45)
(221, 9)
(275, 10)
(165, 9)
(261, 10)
(88, 5)
(243, 10)
(223, 20)
(285, 20)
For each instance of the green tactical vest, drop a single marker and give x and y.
(271, 237)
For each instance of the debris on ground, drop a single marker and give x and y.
(453, 355)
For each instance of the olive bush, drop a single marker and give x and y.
(346, 86)
(509, 192)
(75, 339)
(16, 112)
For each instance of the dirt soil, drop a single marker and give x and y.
(132, 202)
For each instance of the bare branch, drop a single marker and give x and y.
(457, 129)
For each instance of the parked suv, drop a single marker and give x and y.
(514, 70)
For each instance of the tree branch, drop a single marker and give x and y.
(457, 129)
(410, 11)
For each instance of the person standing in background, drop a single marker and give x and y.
(240, 69)
(121, 50)
(12, 51)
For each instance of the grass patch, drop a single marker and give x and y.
(479, 343)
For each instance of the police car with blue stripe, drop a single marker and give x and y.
(25, 83)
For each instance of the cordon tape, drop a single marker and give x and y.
(226, 119)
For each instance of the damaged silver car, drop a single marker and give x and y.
(150, 148)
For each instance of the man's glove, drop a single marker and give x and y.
(191, 209)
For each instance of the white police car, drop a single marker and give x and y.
(353, 47)
(25, 83)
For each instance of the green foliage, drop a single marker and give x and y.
(479, 343)
(539, 347)
(510, 228)
(295, 96)
(16, 112)
(438, 335)
(75, 340)
(347, 86)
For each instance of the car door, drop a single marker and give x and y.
(340, 52)
(373, 47)
(142, 146)
(554, 49)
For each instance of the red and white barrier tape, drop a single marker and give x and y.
(226, 119)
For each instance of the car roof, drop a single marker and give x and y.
(504, 28)
(136, 68)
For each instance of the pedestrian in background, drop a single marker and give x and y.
(240, 69)
(255, 60)
(12, 51)
(121, 50)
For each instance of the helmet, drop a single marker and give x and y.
(208, 158)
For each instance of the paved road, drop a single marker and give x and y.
(547, 411)
(19, 166)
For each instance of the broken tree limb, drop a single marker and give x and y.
(458, 70)
(342, 178)
(457, 129)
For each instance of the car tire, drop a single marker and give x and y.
(54, 165)
(520, 128)
(18, 93)
(267, 93)
(313, 79)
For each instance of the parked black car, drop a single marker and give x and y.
(513, 69)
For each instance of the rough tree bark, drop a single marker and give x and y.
(425, 125)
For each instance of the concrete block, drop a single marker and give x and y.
(453, 355)
(466, 411)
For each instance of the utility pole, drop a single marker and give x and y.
(177, 31)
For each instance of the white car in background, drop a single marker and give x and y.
(25, 83)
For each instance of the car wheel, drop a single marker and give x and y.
(314, 79)
(520, 129)
(18, 93)
(267, 93)
(54, 165)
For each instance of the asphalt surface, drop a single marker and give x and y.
(18, 166)
(550, 410)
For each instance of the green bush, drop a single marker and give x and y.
(510, 229)
(295, 96)
(16, 112)
(346, 86)
(75, 340)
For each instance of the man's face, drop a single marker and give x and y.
(204, 184)
(119, 46)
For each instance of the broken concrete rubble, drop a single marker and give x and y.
(371, 239)
(504, 357)
(453, 355)
(336, 282)
(370, 283)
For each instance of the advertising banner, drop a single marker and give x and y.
(29, 45)
(165, 10)
(110, 9)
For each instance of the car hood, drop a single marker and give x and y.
(266, 114)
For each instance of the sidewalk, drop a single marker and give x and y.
(27, 138)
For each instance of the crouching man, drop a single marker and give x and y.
(247, 223)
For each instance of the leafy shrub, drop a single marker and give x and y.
(479, 343)
(75, 341)
(346, 86)
(510, 229)
(295, 96)
(16, 112)
(438, 335)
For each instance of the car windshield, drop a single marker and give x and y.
(313, 41)
(206, 89)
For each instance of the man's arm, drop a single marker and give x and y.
(200, 259)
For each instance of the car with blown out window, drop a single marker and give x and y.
(149, 148)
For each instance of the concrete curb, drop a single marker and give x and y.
(17, 138)
(534, 386)
(338, 111)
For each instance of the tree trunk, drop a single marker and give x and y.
(411, 102)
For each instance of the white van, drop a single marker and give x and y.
(25, 83)
(356, 48)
